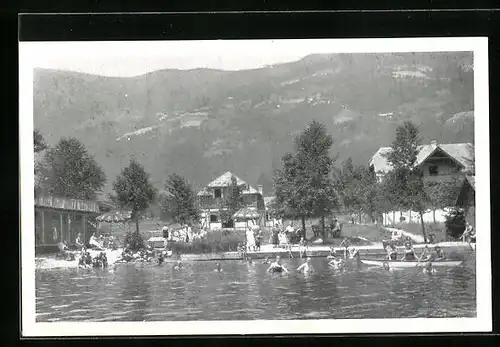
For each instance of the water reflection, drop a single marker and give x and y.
(245, 291)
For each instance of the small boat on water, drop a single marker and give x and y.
(410, 264)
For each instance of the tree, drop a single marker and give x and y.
(68, 170)
(232, 202)
(133, 190)
(442, 193)
(304, 186)
(357, 186)
(181, 202)
(405, 181)
(39, 143)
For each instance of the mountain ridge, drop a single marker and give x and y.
(201, 122)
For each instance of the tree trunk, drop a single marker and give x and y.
(323, 231)
(303, 218)
(423, 226)
(137, 225)
(434, 215)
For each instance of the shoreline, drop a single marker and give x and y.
(266, 251)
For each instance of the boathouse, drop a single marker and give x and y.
(61, 219)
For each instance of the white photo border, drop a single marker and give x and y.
(481, 323)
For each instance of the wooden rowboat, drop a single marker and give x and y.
(410, 264)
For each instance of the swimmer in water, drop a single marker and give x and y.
(276, 266)
(266, 261)
(306, 267)
(336, 263)
(429, 269)
(177, 266)
(386, 266)
(333, 254)
(218, 267)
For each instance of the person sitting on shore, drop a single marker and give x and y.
(112, 243)
(126, 256)
(177, 266)
(94, 243)
(306, 267)
(79, 242)
(276, 266)
(409, 252)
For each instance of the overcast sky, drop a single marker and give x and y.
(136, 58)
(132, 58)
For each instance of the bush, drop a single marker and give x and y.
(135, 241)
(213, 242)
(455, 223)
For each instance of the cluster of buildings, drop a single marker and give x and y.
(60, 219)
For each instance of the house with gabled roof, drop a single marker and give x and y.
(210, 200)
(439, 162)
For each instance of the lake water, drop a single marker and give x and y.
(149, 292)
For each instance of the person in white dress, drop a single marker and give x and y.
(250, 239)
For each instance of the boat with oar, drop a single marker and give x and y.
(411, 264)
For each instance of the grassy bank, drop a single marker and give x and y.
(438, 229)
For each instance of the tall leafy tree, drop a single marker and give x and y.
(181, 202)
(133, 190)
(68, 170)
(442, 193)
(39, 143)
(405, 182)
(233, 201)
(305, 184)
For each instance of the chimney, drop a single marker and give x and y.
(260, 188)
(434, 142)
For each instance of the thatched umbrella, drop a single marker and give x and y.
(115, 217)
(246, 214)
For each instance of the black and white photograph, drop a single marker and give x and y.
(255, 186)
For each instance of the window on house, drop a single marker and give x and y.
(433, 170)
(213, 218)
(218, 193)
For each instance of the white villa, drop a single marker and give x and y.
(210, 199)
